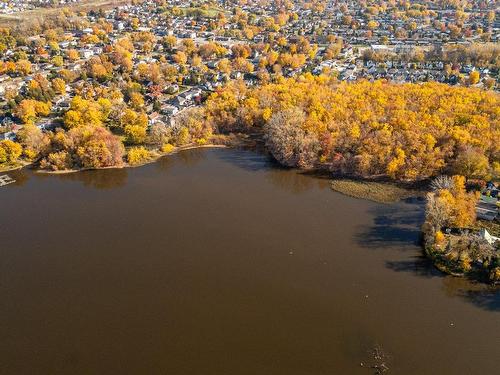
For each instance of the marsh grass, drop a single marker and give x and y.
(380, 192)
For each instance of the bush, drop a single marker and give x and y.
(3, 156)
(167, 148)
(439, 237)
(182, 137)
(495, 275)
(11, 151)
(465, 261)
(201, 141)
(138, 155)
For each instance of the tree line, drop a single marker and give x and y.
(403, 131)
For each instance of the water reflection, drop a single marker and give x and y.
(20, 175)
(189, 158)
(164, 163)
(249, 160)
(294, 181)
(99, 179)
(287, 179)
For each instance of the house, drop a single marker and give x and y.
(169, 110)
(8, 135)
(87, 53)
(485, 235)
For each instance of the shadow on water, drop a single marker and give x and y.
(418, 265)
(486, 297)
(252, 161)
(394, 226)
(398, 227)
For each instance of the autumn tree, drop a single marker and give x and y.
(86, 112)
(33, 140)
(59, 86)
(288, 141)
(29, 110)
(10, 151)
(83, 147)
(134, 125)
(474, 77)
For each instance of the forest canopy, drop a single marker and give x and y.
(404, 131)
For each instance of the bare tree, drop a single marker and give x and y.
(288, 141)
(441, 182)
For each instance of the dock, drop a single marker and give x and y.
(6, 180)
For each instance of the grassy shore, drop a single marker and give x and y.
(381, 192)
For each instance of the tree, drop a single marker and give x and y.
(28, 110)
(73, 54)
(464, 208)
(23, 67)
(180, 58)
(136, 100)
(83, 147)
(59, 86)
(33, 140)
(287, 140)
(474, 77)
(404, 131)
(170, 42)
(58, 61)
(10, 151)
(134, 125)
(85, 112)
(471, 163)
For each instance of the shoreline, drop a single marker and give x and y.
(373, 189)
(18, 166)
(127, 165)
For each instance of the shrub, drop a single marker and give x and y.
(495, 274)
(439, 237)
(201, 141)
(182, 137)
(167, 148)
(138, 155)
(465, 261)
(3, 156)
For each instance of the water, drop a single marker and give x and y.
(218, 262)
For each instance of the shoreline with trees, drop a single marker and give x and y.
(364, 132)
(454, 239)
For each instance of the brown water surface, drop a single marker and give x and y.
(218, 262)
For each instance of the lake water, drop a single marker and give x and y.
(216, 261)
